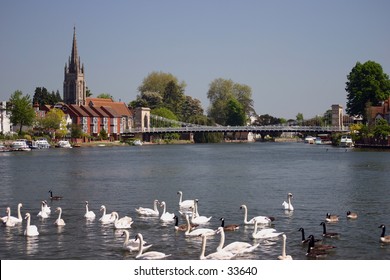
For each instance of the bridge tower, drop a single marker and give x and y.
(337, 116)
(142, 118)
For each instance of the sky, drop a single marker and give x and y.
(294, 55)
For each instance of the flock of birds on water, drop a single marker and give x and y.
(195, 227)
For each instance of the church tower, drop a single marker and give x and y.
(74, 82)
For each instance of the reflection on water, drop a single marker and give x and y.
(222, 176)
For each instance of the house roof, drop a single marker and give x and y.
(119, 107)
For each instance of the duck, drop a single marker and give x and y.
(31, 230)
(182, 227)
(197, 219)
(56, 197)
(259, 219)
(122, 223)
(265, 233)
(132, 245)
(351, 215)
(304, 240)
(88, 213)
(42, 213)
(106, 218)
(283, 256)
(166, 216)
(317, 246)
(331, 218)
(231, 227)
(218, 255)
(185, 203)
(236, 247)
(59, 221)
(151, 255)
(384, 238)
(9, 222)
(328, 234)
(15, 220)
(287, 205)
(148, 211)
(196, 232)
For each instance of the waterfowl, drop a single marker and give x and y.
(106, 218)
(384, 238)
(88, 214)
(197, 219)
(148, 211)
(122, 223)
(265, 233)
(56, 197)
(46, 208)
(166, 216)
(331, 218)
(317, 246)
(182, 227)
(231, 227)
(328, 234)
(304, 240)
(31, 230)
(236, 247)
(59, 221)
(283, 256)
(287, 205)
(196, 232)
(14, 220)
(218, 255)
(315, 253)
(351, 215)
(9, 222)
(258, 219)
(42, 213)
(132, 245)
(151, 255)
(185, 203)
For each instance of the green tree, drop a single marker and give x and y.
(76, 131)
(103, 135)
(174, 98)
(235, 114)
(22, 112)
(43, 97)
(164, 113)
(366, 84)
(53, 120)
(191, 109)
(105, 96)
(299, 118)
(158, 81)
(381, 129)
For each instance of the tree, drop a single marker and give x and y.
(381, 130)
(105, 96)
(235, 114)
(53, 121)
(22, 112)
(173, 98)
(191, 109)
(158, 81)
(43, 97)
(366, 84)
(299, 118)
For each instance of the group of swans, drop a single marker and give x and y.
(121, 223)
(11, 221)
(265, 233)
(132, 245)
(150, 255)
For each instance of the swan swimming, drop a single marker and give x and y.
(166, 216)
(46, 208)
(14, 220)
(42, 213)
(10, 222)
(283, 256)
(122, 223)
(258, 219)
(31, 230)
(148, 211)
(151, 255)
(59, 221)
(287, 205)
(89, 214)
(197, 219)
(265, 233)
(236, 247)
(106, 218)
(197, 232)
(185, 203)
(218, 255)
(132, 245)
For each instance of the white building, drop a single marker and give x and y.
(5, 123)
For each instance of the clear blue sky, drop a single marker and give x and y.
(295, 55)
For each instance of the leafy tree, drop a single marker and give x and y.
(158, 81)
(52, 120)
(105, 96)
(22, 112)
(299, 118)
(88, 92)
(367, 83)
(165, 114)
(381, 130)
(235, 113)
(191, 109)
(43, 97)
(243, 94)
(173, 98)
(103, 135)
(76, 131)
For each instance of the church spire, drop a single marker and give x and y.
(74, 59)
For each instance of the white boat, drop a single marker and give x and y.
(346, 141)
(309, 139)
(137, 143)
(42, 143)
(63, 144)
(318, 141)
(20, 145)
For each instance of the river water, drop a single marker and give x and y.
(222, 176)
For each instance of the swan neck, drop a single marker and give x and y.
(188, 225)
(284, 247)
(140, 245)
(19, 214)
(246, 215)
(221, 241)
(203, 247)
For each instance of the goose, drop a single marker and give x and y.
(283, 256)
(196, 232)
(218, 255)
(42, 213)
(59, 221)
(265, 233)
(106, 218)
(148, 211)
(56, 197)
(331, 218)
(304, 240)
(182, 227)
(197, 219)
(15, 220)
(259, 219)
(151, 255)
(287, 205)
(166, 216)
(328, 234)
(46, 208)
(351, 215)
(30, 230)
(9, 222)
(122, 223)
(88, 214)
(384, 238)
(315, 253)
(313, 245)
(185, 203)
(132, 245)
(236, 247)
(231, 227)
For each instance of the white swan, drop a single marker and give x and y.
(42, 213)
(166, 216)
(30, 230)
(148, 211)
(122, 223)
(46, 208)
(106, 218)
(259, 219)
(10, 222)
(283, 256)
(89, 214)
(185, 203)
(287, 205)
(218, 255)
(265, 233)
(151, 255)
(132, 245)
(236, 247)
(196, 232)
(59, 221)
(14, 220)
(197, 219)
